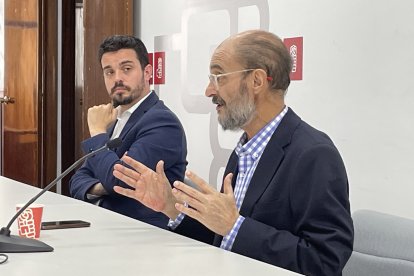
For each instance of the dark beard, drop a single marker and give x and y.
(121, 101)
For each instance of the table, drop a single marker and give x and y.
(114, 244)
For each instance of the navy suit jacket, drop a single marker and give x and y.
(297, 204)
(152, 133)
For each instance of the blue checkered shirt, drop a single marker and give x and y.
(249, 153)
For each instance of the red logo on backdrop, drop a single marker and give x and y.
(151, 61)
(295, 48)
(159, 68)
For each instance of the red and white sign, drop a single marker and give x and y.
(159, 68)
(295, 48)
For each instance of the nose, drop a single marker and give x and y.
(118, 75)
(210, 90)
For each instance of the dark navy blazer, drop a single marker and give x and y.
(297, 204)
(152, 133)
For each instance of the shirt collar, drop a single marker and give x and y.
(131, 110)
(255, 146)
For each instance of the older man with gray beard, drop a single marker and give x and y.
(285, 196)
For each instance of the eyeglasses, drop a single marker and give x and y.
(214, 79)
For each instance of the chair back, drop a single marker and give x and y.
(383, 245)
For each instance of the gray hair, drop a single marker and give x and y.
(260, 49)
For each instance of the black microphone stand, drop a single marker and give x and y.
(16, 244)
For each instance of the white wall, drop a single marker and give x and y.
(358, 63)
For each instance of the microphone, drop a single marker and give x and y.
(16, 244)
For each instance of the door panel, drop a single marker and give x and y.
(20, 131)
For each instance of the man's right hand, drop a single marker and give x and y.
(100, 117)
(150, 188)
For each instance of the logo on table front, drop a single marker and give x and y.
(27, 224)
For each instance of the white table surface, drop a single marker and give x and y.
(114, 244)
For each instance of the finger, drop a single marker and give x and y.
(123, 191)
(130, 181)
(127, 171)
(160, 172)
(114, 113)
(160, 168)
(203, 185)
(138, 166)
(190, 191)
(193, 213)
(183, 197)
(108, 107)
(227, 188)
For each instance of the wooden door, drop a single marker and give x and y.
(28, 126)
(20, 130)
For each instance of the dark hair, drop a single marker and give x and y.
(118, 42)
(263, 50)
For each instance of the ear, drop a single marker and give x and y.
(148, 72)
(259, 80)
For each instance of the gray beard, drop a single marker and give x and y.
(239, 113)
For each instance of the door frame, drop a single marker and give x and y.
(48, 90)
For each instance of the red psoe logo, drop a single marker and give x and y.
(159, 68)
(295, 48)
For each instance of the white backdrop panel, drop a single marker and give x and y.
(358, 62)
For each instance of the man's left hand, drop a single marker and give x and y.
(217, 211)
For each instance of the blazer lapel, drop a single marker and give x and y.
(232, 167)
(139, 112)
(111, 129)
(269, 161)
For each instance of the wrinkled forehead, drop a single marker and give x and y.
(224, 58)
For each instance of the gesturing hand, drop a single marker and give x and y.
(150, 188)
(217, 211)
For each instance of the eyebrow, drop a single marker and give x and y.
(216, 67)
(126, 62)
(122, 63)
